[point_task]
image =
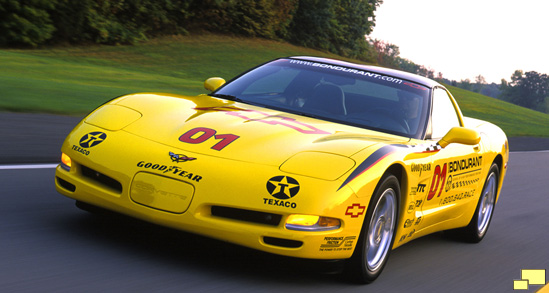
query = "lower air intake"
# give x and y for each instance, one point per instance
(246, 215)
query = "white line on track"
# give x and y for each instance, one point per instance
(33, 166)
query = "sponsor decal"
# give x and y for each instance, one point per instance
(350, 70)
(282, 188)
(403, 237)
(89, 140)
(180, 158)
(280, 203)
(420, 188)
(457, 197)
(411, 233)
(464, 164)
(174, 170)
(408, 223)
(80, 150)
(462, 180)
(337, 243)
(438, 176)
(420, 168)
(92, 139)
(411, 207)
(355, 210)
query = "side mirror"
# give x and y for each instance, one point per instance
(213, 83)
(460, 135)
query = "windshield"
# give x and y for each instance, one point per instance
(335, 93)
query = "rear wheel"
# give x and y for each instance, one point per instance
(378, 232)
(477, 228)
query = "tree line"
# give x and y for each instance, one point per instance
(337, 26)
(526, 89)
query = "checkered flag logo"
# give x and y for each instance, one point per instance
(434, 148)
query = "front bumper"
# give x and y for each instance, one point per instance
(222, 199)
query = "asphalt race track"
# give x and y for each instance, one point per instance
(48, 245)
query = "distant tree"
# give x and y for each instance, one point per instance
(407, 65)
(465, 84)
(283, 12)
(528, 90)
(338, 26)
(427, 72)
(25, 22)
(388, 55)
(440, 77)
(480, 81)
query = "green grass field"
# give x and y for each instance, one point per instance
(75, 80)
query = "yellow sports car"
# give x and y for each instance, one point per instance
(304, 157)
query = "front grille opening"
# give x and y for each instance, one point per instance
(65, 184)
(101, 179)
(246, 215)
(287, 243)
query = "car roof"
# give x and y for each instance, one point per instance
(381, 70)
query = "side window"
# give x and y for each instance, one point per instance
(444, 114)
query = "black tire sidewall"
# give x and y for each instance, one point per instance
(357, 265)
(473, 226)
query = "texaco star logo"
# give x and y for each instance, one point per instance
(92, 139)
(282, 187)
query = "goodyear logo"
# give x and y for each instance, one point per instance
(92, 139)
(529, 277)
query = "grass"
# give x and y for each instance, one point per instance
(75, 80)
(514, 120)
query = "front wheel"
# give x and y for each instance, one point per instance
(378, 232)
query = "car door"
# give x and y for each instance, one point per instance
(456, 169)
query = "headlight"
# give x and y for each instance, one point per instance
(312, 223)
(66, 162)
(113, 117)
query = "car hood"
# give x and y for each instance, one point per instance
(216, 127)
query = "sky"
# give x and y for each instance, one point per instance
(466, 38)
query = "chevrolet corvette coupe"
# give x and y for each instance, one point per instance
(304, 157)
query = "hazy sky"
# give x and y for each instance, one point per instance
(465, 38)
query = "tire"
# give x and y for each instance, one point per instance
(475, 231)
(378, 233)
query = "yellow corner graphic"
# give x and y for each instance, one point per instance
(529, 277)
